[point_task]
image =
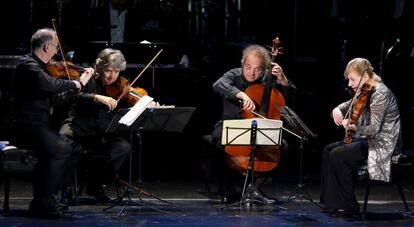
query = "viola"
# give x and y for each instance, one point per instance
(132, 96)
(57, 69)
(267, 100)
(358, 107)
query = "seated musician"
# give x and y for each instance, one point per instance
(373, 136)
(231, 86)
(34, 91)
(91, 115)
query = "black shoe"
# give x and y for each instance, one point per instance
(99, 195)
(66, 199)
(329, 211)
(63, 207)
(45, 208)
(342, 213)
(257, 195)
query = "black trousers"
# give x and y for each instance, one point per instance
(104, 157)
(116, 149)
(339, 163)
(56, 159)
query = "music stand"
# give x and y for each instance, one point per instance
(166, 119)
(301, 131)
(128, 119)
(251, 132)
(162, 119)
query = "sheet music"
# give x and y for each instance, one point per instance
(4, 146)
(237, 132)
(136, 110)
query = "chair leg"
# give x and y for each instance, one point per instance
(118, 190)
(364, 209)
(397, 182)
(6, 207)
(75, 187)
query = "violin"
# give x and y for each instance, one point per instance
(268, 100)
(124, 90)
(133, 94)
(359, 105)
(64, 70)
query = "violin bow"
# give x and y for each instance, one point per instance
(61, 48)
(139, 75)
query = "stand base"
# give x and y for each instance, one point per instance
(304, 194)
(141, 191)
(129, 202)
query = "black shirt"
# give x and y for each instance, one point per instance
(88, 118)
(233, 82)
(34, 90)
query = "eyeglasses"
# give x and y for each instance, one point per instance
(248, 68)
(55, 46)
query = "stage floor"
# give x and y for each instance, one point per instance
(193, 205)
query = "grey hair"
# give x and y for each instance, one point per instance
(111, 58)
(361, 65)
(258, 51)
(41, 36)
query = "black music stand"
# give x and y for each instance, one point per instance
(165, 119)
(162, 119)
(301, 131)
(152, 119)
(113, 127)
(252, 132)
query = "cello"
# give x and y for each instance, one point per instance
(267, 100)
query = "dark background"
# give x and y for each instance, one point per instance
(318, 36)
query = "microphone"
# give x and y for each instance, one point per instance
(253, 133)
(392, 48)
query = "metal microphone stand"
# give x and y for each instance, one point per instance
(250, 194)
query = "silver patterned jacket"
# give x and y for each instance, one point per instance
(380, 124)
